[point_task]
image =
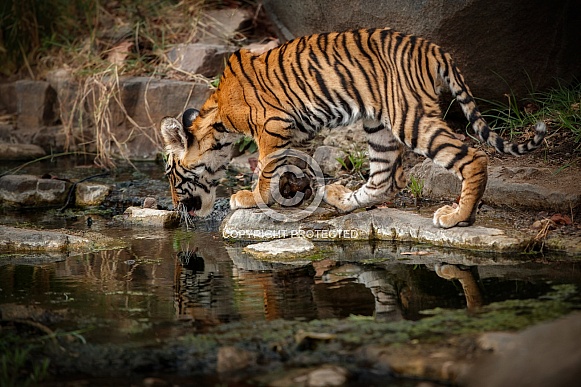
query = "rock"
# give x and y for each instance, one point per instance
(287, 247)
(378, 224)
(499, 342)
(67, 89)
(346, 138)
(326, 157)
(260, 48)
(28, 190)
(544, 355)
(8, 97)
(215, 35)
(506, 52)
(155, 382)
(323, 375)
(232, 359)
(221, 26)
(36, 104)
(327, 375)
(16, 239)
(146, 101)
(149, 217)
(520, 187)
(91, 194)
(150, 203)
(251, 262)
(20, 152)
(535, 188)
(244, 163)
(200, 58)
(439, 183)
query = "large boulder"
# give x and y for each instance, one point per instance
(36, 103)
(500, 46)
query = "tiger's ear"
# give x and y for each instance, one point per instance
(175, 137)
(188, 117)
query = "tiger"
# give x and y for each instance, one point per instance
(388, 80)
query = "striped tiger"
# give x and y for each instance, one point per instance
(389, 80)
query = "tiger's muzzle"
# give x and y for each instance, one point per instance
(192, 204)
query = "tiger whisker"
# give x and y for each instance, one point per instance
(185, 217)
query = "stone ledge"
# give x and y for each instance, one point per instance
(17, 239)
(519, 187)
(378, 224)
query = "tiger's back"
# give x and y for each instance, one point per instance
(389, 80)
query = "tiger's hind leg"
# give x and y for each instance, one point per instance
(386, 176)
(470, 165)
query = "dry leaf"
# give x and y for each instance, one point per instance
(118, 54)
(561, 220)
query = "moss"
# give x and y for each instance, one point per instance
(438, 325)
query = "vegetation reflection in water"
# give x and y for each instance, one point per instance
(169, 283)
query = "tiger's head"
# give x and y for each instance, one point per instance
(198, 150)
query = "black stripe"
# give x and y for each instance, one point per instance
(383, 148)
(379, 160)
(374, 130)
(458, 156)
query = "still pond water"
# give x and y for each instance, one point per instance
(170, 282)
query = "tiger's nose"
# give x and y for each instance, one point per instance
(193, 203)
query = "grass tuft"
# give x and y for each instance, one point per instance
(559, 107)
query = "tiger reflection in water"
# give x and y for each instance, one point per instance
(205, 294)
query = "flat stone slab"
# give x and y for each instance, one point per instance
(149, 217)
(18, 239)
(282, 246)
(379, 224)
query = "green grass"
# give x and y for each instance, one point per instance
(416, 187)
(355, 162)
(18, 366)
(559, 107)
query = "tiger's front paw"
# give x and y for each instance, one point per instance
(450, 216)
(242, 199)
(338, 196)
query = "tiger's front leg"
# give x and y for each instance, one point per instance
(267, 188)
(386, 176)
(260, 194)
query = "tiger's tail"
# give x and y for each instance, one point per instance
(452, 76)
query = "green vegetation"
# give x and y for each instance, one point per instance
(438, 325)
(416, 187)
(18, 366)
(246, 144)
(559, 107)
(355, 162)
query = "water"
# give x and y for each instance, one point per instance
(171, 282)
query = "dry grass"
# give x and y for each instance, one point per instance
(104, 42)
